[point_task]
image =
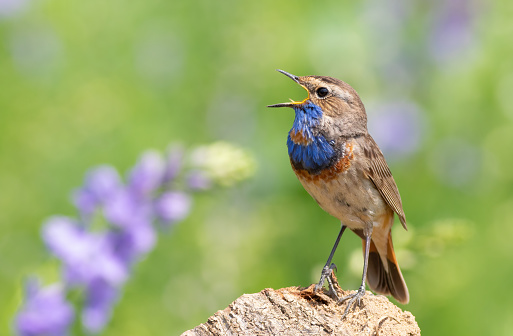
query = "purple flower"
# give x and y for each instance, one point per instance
(45, 312)
(133, 216)
(397, 127)
(148, 174)
(101, 297)
(133, 243)
(453, 30)
(100, 185)
(125, 209)
(11, 7)
(86, 256)
(173, 206)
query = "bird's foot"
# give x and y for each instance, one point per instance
(354, 299)
(327, 274)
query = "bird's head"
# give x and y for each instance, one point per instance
(342, 109)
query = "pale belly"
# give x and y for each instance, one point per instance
(350, 197)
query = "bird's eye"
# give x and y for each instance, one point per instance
(322, 92)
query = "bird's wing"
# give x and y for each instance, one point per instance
(376, 169)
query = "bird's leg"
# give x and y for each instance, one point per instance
(354, 299)
(329, 267)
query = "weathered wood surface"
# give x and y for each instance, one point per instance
(300, 311)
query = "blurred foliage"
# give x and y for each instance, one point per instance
(92, 82)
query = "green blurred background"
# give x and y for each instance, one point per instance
(91, 82)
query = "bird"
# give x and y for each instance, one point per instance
(340, 165)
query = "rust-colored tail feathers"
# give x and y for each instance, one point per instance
(386, 279)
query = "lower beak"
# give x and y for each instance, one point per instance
(283, 104)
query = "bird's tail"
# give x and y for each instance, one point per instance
(386, 279)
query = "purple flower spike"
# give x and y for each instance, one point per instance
(98, 263)
(101, 296)
(173, 206)
(45, 312)
(148, 173)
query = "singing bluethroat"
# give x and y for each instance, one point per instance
(342, 168)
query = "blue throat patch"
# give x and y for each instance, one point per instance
(313, 153)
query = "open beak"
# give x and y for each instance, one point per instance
(292, 102)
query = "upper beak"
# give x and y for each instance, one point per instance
(289, 75)
(291, 103)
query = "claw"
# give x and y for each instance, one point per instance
(332, 281)
(354, 300)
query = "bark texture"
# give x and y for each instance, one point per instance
(301, 311)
